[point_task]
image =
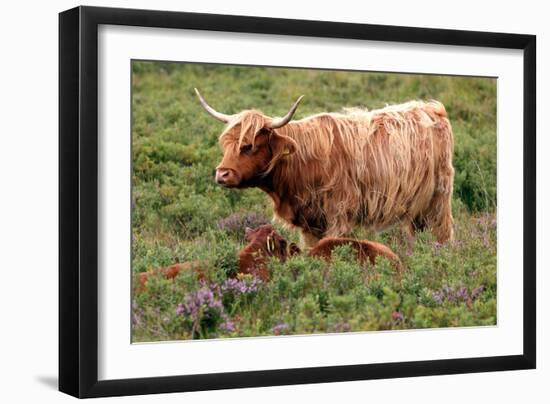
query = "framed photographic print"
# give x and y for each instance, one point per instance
(251, 201)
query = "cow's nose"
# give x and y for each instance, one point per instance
(222, 174)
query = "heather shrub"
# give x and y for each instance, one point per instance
(236, 223)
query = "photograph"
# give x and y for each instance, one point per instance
(275, 201)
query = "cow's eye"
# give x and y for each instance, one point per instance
(246, 148)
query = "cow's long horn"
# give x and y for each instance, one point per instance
(218, 115)
(277, 123)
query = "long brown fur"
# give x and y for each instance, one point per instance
(374, 168)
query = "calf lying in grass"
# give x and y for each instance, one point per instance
(265, 242)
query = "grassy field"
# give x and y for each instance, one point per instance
(179, 214)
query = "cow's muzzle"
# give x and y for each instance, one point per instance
(227, 177)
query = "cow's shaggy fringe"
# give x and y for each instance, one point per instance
(377, 168)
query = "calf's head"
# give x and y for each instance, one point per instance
(270, 242)
(252, 144)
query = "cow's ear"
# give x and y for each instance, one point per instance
(282, 145)
(247, 231)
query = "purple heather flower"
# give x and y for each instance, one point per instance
(342, 327)
(241, 287)
(397, 316)
(228, 325)
(136, 314)
(438, 297)
(477, 292)
(456, 295)
(237, 223)
(462, 294)
(203, 301)
(279, 329)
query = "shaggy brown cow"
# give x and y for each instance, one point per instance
(330, 171)
(263, 242)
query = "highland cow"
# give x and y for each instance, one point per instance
(327, 172)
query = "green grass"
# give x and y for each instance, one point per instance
(178, 209)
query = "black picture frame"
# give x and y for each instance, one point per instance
(78, 201)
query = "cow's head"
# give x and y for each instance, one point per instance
(252, 144)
